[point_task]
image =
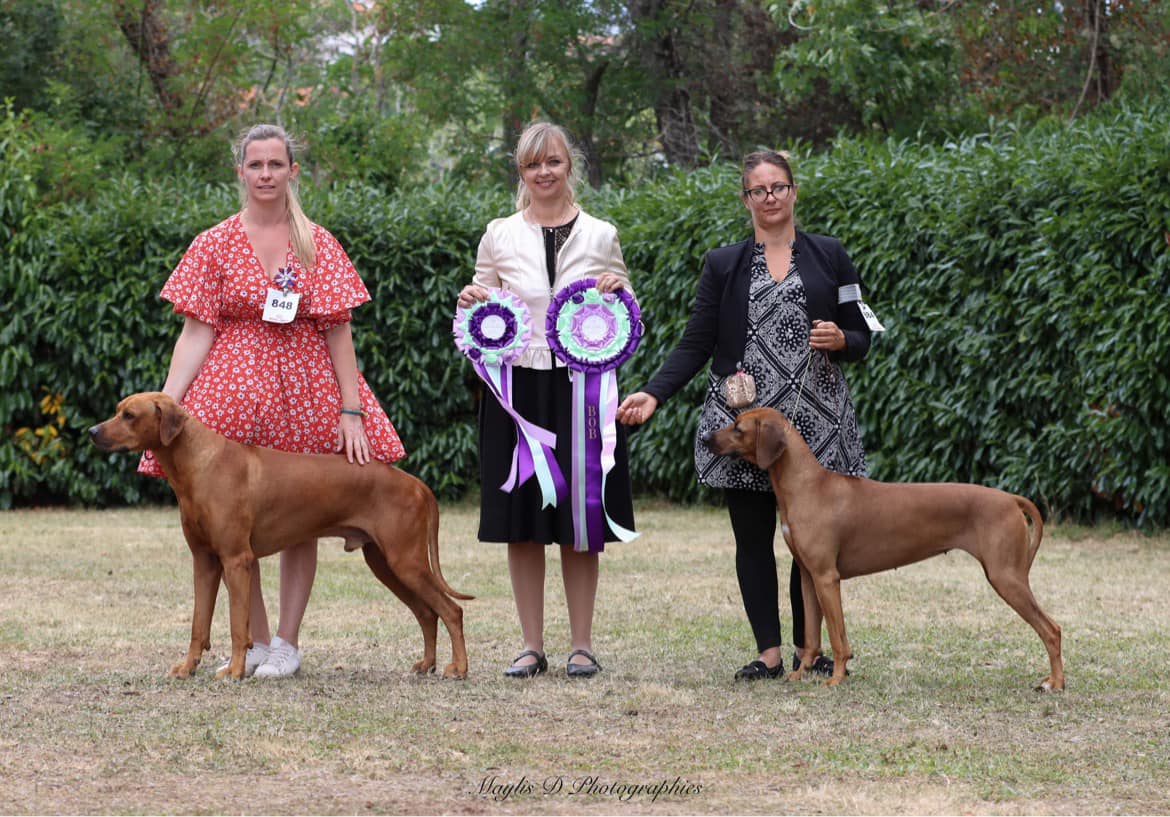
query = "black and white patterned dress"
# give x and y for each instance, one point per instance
(810, 390)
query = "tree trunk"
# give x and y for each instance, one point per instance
(660, 57)
(1099, 83)
(517, 98)
(586, 135)
(150, 41)
(1106, 83)
(723, 83)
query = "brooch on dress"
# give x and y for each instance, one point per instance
(286, 279)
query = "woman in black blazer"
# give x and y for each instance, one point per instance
(782, 309)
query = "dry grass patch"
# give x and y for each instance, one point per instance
(938, 716)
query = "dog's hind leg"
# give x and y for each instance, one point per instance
(410, 565)
(1013, 587)
(427, 619)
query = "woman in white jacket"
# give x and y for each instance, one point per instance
(547, 243)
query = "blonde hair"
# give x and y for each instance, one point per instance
(299, 227)
(535, 144)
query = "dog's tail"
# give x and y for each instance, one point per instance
(1033, 513)
(433, 549)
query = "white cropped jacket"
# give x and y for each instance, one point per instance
(511, 257)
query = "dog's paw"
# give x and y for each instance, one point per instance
(423, 666)
(1048, 685)
(454, 673)
(225, 673)
(181, 671)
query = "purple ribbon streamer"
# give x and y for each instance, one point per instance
(529, 436)
(588, 473)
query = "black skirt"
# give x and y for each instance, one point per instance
(543, 397)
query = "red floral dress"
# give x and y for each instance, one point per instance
(264, 383)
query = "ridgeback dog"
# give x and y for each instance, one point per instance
(240, 502)
(838, 527)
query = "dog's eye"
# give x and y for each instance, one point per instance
(127, 415)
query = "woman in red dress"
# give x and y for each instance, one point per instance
(265, 356)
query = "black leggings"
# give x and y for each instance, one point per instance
(753, 521)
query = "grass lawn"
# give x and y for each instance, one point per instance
(938, 716)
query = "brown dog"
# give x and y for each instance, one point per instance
(239, 502)
(838, 527)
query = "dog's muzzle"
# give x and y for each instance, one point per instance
(95, 434)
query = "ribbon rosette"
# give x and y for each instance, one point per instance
(493, 334)
(286, 279)
(593, 333)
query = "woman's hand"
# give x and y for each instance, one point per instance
(352, 440)
(826, 336)
(609, 282)
(470, 294)
(637, 408)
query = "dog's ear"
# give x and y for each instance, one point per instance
(770, 444)
(170, 420)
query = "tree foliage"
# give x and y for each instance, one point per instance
(398, 93)
(893, 64)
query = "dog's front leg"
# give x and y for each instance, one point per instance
(812, 625)
(238, 578)
(207, 569)
(828, 591)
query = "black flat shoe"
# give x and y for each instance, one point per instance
(758, 671)
(582, 670)
(527, 670)
(821, 666)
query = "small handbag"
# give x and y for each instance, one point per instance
(739, 390)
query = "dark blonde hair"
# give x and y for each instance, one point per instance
(766, 157)
(300, 229)
(535, 144)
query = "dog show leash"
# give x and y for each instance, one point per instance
(800, 388)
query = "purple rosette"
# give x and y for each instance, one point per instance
(493, 334)
(593, 333)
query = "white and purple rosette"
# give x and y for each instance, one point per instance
(286, 279)
(593, 333)
(493, 334)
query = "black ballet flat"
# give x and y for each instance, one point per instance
(527, 670)
(758, 671)
(582, 670)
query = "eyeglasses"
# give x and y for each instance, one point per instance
(777, 191)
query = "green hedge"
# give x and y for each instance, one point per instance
(1022, 277)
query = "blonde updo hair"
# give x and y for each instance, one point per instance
(300, 229)
(535, 144)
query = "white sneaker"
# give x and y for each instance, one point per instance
(255, 656)
(283, 660)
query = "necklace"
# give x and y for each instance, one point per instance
(563, 215)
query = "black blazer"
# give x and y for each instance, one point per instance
(717, 329)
